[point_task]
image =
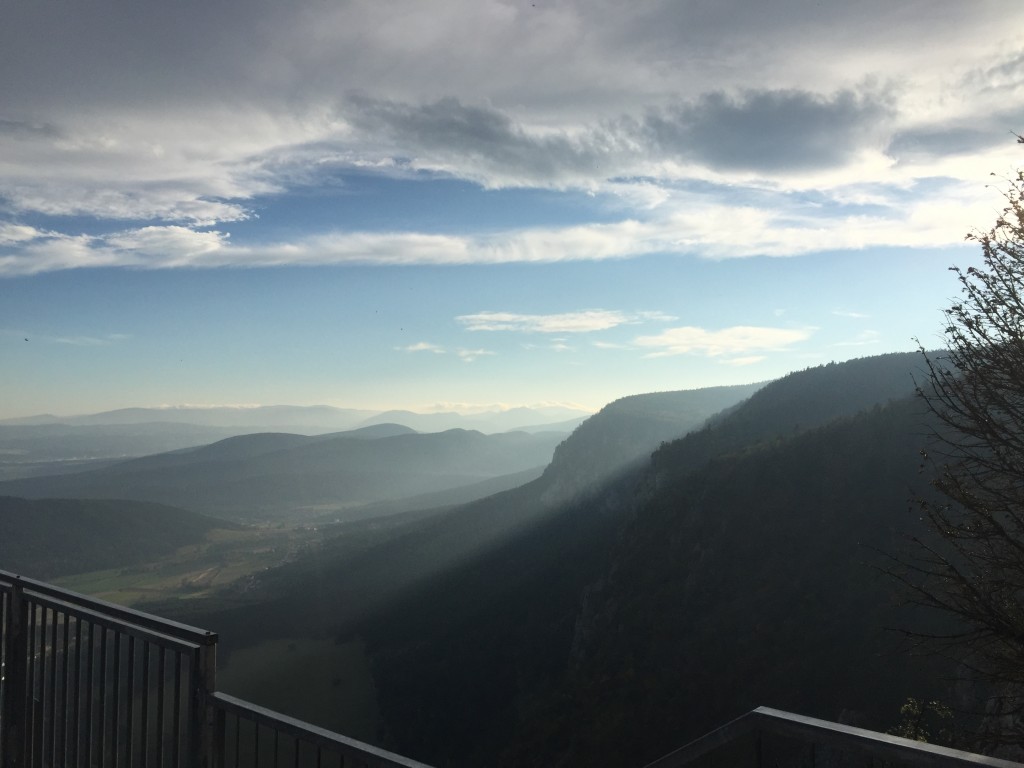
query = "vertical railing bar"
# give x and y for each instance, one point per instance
(116, 719)
(238, 738)
(176, 744)
(65, 682)
(76, 701)
(16, 658)
(295, 760)
(277, 745)
(39, 700)
(145, 703)
(256, 745)
(196, 704)
(89, 669)
(129, 700)
(4, 656)
(220, 737)
(30, 719)
(42, 663)
(103, 718)
(4, 634)
(53, 690)
(161, 673)
(204, 683)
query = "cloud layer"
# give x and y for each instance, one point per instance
(709, 122)
(735, 342)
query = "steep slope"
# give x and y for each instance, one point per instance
(627, 430)
(356, 575)
(693, 565)
(487, 623)
(271, 475)
(44, 538)
(747, 582)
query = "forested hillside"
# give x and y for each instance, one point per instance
(733, 570)
(610, 610)
(270, 476)
(366, 564)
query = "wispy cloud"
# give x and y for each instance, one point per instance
(423, 346)
(850, 314)
(583, 321)
(469, 355)
(738, 340)
(747, 360)
(863, 339)
(687, 224)
(81, 341)
(70, 340)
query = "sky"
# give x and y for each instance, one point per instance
(472, 204)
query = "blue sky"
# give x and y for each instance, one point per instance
(467, 204)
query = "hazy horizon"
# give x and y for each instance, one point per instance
(465, 409)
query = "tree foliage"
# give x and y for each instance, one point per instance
(973, 569)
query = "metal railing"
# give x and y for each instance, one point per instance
(84, 682)
(770, 737)
(87, 683)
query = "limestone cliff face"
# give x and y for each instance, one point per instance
(622, 436)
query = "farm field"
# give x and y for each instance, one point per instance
(224, 559)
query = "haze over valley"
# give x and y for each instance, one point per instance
(530, 581)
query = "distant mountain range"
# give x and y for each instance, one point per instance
(47, 445)
(314, 419)
(275, 475)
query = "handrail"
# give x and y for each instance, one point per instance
(130, 615)
(811, 730)
(88, 682)
(311, 734)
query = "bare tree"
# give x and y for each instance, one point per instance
(972, 566)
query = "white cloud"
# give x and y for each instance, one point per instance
(738, 340)
(688, 224)
(11, 234)
(850, 314)
(863, 339)
(747, 360)
(583, 321)
(469, 355)
(85, 341)
(423, 346)
(70, 340)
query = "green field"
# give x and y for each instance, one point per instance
(225, 559)
(314, 679)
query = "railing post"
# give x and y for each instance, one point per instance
(204, 715)
(15, 695)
